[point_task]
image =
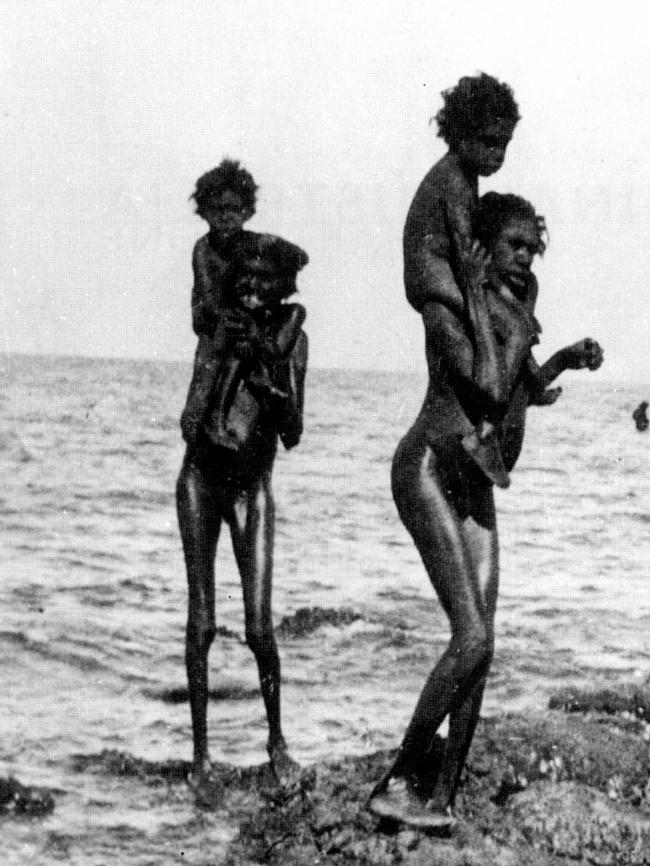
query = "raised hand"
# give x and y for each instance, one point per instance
(585, 353)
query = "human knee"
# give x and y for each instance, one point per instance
(200, 634)
(260, 639)
(476, 645)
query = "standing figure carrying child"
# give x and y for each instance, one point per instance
(246, 391)
(477, 122)
(479, 365)
(241, 280)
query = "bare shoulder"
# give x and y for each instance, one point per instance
(201, 248)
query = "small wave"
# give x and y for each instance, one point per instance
(47, 651)
(13, 448)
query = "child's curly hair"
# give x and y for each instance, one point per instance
(228, 175)
(496, 210)
(472, 105)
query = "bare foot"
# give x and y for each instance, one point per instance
(399, 802)
(285, 769)
(208, 788)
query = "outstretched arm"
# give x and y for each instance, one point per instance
(585, 353)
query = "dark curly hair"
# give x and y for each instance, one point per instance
(228, 175)
(472, 105)
(496, 210)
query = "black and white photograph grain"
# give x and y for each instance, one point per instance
(324, 378)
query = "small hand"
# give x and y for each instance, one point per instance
(240, 326)
(234, 323)
(585, 353)
(473, 262)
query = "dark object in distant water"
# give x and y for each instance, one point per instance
(20, 799)
(640, 417)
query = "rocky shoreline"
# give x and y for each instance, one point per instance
(570, 785)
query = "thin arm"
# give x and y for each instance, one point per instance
(289, 321)
(206, 296)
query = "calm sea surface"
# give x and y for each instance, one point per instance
(93, 586)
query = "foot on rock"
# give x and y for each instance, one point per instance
(208, 789)
(399, 802)
(285, 769)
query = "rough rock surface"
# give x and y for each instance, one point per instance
(545, 790)
(17, 799)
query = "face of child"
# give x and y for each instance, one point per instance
(258, 291)
(485, 152)
(225, 213)
(513, 252)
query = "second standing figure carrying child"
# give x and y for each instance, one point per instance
(246, 332)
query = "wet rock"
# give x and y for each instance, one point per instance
(307, 620)
(115, 763)
(576, 821)
(538, 791)
(553, 747)
(17, 799)
(634, 701)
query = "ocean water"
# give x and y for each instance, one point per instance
(94, 597)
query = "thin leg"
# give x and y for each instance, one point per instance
(448, 550)
(227, 385)
(252, 526)
(206, 367)
(199, 521)
(483, 546)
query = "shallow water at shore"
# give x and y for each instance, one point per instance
(94, 587)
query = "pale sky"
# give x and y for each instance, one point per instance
(112, 109)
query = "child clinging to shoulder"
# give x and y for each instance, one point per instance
(225, 198)
(225, 258)
(262, 330)
(477, 122)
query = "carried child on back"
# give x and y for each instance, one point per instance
(477, 121)
(247, 334)
(261, 329)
